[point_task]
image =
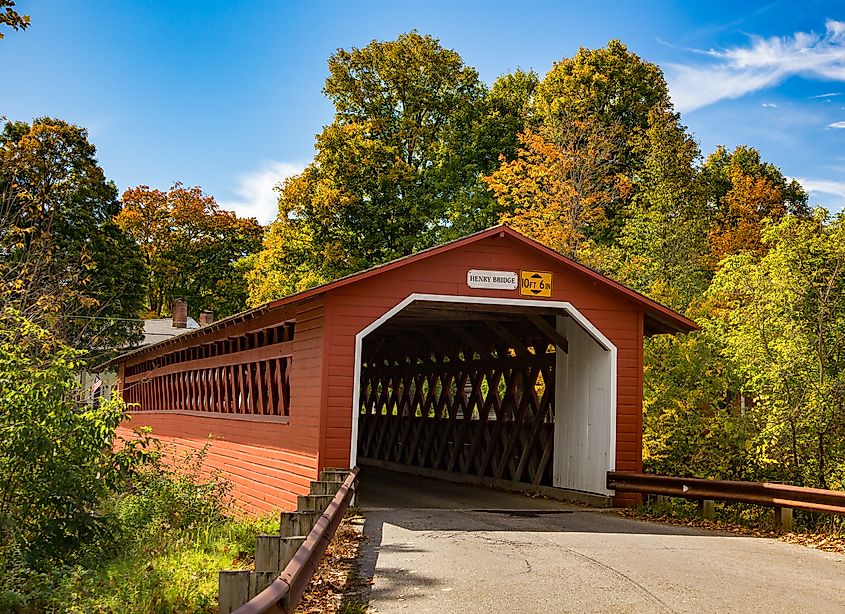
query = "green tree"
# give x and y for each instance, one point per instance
(693, 421)
(782, 319)
(398, 169)
(66, 264)
(662, 249)
(493, 138)
(614, 88)
(190, 248)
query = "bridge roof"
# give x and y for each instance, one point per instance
(658, 318)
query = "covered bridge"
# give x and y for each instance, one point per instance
(488, 359)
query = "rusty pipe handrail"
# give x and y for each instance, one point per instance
(283, 595)
(759, 493)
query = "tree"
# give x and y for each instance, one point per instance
(743, 191)
(782, 318)
(555, 191)
(610, 87)
(692, 424)
(190, 247)
(504, 113)
(663, 246)
(66, 265)
(399, 168)
(11, 18)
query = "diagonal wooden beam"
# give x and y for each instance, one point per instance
(507, 336)
(551, 332)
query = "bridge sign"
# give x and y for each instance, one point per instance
(492, 280)
(535, 283)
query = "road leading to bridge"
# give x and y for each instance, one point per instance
(543, 557)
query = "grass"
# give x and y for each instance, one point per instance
(167, 535)
(180, 576)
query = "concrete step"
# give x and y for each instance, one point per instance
(307, 503)
(298, 523)
(325, 488)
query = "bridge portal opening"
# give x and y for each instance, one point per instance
(513, 393)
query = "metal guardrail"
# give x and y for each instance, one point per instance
(283, 595)
(759, 493)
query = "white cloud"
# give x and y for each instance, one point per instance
(255, 195)
(830, 95)
(837, 125)
(770, 105)
(765, 62)
(836, 188)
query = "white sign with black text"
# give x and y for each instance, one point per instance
(492, 280)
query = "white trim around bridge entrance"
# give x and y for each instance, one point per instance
(564, 306)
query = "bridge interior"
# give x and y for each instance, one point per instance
(462, 389)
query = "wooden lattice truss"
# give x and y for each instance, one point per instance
(245, 375)
(462, 389)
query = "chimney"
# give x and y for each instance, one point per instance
(206, 317)
(180, 313)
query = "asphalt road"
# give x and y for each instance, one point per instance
(437, 547)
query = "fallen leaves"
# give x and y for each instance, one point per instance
(337, 583)
(819, 540)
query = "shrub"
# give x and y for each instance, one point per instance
(56, 453)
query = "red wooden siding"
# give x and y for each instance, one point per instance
(272, 448)
(352, 308)
(270, 462)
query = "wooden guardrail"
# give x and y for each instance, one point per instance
(283, 595)
(783, 497)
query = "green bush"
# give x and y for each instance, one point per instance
(57, 462)
(85, 528)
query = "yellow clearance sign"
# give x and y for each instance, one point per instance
(535, 283)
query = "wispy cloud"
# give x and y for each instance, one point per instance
(829, 95)
(255, 193)
(769, 105)
(837, 125)
(826, 187)
(765, 62)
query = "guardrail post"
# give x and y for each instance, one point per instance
(298, 523)
(707, 509)
(783, 518)
(233, 590)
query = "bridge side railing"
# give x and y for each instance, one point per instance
(783, 497)
(283, 595)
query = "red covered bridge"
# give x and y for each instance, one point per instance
(491, 359)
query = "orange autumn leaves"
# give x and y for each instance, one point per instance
(191, 247)
(739, 221)
(559, 189)
(556, 192)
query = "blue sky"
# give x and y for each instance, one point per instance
(227, 95)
